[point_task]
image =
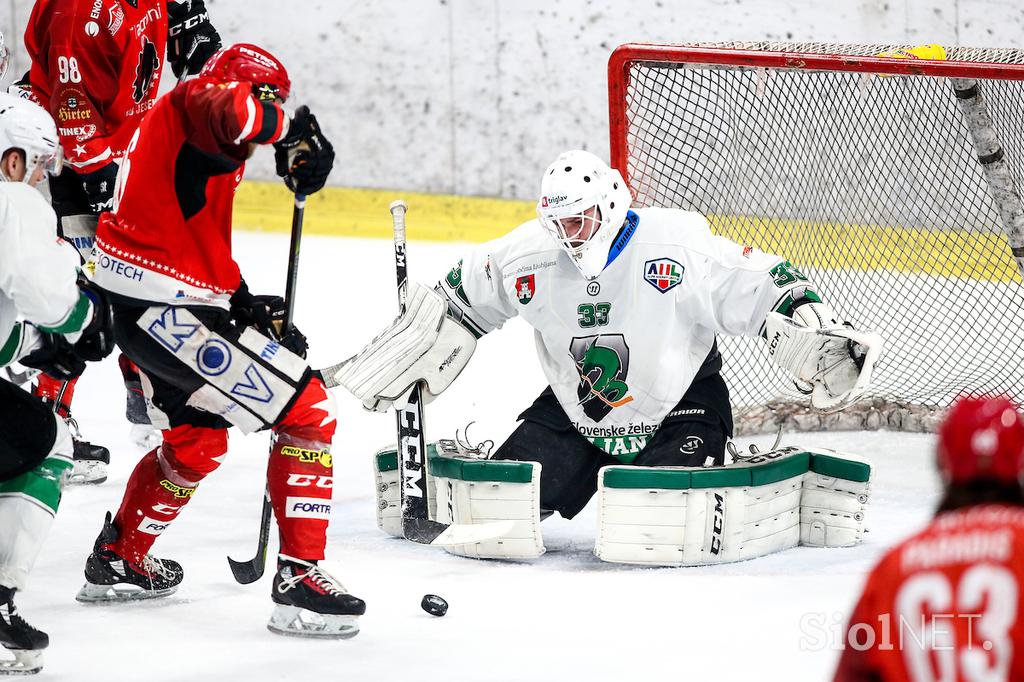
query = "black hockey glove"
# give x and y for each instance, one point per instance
(97, 340)
(56, 358)
(266, 314)
(99, 188)
(191, 38)
(304, 158)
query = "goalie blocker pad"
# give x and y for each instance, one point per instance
(463, 488)
(682, 516)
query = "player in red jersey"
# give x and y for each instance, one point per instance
(207, 348)
(96, 66)
(946, 604)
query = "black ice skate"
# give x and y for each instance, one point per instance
(109, 577)
(90, 460)
(90, 463)
(21, 639)
(312, 603)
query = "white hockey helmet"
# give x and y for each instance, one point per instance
(26, 126)
(583, 203)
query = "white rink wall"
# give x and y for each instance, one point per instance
(475, 97)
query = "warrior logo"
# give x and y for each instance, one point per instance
(526, 287)
(145, 72)
(603, 364)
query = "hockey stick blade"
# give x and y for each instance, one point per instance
(427, 532)
(250, 571)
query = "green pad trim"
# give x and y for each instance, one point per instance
(664, 479)
(780, 469)
(387, 460)
(482, 470)
(42, 483)
(740, 475)
(838, 467)
(464, 469)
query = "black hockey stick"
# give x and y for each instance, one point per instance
(250, 571)
(412, 451)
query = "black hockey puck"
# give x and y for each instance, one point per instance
(434, 605)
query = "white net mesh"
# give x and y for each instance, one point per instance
(872, 186)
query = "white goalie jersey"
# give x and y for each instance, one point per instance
(621, 350)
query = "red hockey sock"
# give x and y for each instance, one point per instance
(162, 484)
(300, 473)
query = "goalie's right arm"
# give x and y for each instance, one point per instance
(424, 344)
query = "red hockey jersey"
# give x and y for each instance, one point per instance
(96, 66)
(168, 238)
(944, 605)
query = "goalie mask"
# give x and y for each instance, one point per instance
(26, 126)
(583, 204)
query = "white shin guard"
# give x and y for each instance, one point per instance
(28, 504)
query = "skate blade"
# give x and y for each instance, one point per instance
(122, 592)
(88, 473)
(292, 621)
(26, 662)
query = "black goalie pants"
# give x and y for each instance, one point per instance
(693, 434)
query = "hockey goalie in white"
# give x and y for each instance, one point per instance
(626, 306)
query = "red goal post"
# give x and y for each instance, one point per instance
(890, 174)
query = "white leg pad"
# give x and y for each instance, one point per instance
(460, 501)
(679, 516)
(452, 498)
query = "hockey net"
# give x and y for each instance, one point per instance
(887, 174)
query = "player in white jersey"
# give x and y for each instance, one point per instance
(53, 320)
(626, 306)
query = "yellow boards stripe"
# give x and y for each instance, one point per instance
(348, 212)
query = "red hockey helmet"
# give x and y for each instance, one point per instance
(247, 63)
(982, 438)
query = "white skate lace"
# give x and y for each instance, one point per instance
(318, 577)
(152, 565)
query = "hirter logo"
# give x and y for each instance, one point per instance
(526, 287)
(663, 274)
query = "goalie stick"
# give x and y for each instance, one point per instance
(250, 571)
(412, 450)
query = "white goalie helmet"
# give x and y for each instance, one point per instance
(583, 203)
(27, 126)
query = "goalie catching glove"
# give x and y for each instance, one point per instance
(424, 344)
(830, 360)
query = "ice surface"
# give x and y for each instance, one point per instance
(566, 616)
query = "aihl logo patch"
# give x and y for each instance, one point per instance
(526, 287)
(663, 273)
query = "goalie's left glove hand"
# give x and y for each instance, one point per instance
(265, 312)
(831, 359)
(305, 157)
(191, 38)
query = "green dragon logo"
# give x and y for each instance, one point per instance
(603, 364)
